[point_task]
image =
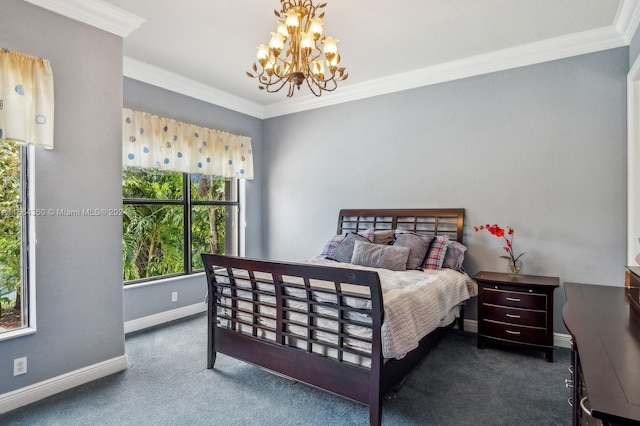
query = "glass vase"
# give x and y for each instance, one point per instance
(514, 268)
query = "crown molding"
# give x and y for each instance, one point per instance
(155, 76)
(117, 21)
(627, 19)
(96, 13)
(533, 53)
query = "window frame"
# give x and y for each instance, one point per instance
(187, 204)
(28, 245)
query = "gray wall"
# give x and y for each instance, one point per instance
(154, 298)
(79, 259)
(540, 148)
(634, 47)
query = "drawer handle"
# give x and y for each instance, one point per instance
(570, 401)
(513, 332)
(513, 316)
(568, 383)
(513, 299)
(584, 408)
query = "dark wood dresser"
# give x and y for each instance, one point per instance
(605, 370)
(517, 311)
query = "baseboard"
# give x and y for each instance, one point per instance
(562, 340)
(32, 393)
(162, 317)
(559, 339)
(471, 326)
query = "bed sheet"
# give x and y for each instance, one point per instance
(414, 301)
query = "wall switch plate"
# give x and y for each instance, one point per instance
(174, 296)
(20, 366)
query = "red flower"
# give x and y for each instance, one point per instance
(500, 233)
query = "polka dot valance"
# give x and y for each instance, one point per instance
(26, 99)
(150, 141)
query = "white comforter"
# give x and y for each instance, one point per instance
(415, 302)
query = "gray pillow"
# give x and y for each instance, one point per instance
(454, 256)
(383, 237)
(344, 250)
(418, 246)
(380, 256)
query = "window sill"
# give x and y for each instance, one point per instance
(164, 280)
(19, 332)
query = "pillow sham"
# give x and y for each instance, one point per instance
(383, 237)
(344, 251)
(436, 253)
(454, 256)
(418, 247)
(331, 245)
(380, 256)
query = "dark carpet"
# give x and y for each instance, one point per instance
(167, 383)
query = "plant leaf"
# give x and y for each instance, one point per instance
(250, 75)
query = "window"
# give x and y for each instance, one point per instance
(15, 216)
(170, 218)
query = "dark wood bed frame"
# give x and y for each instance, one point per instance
(367, 385)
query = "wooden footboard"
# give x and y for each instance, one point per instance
(318, 325)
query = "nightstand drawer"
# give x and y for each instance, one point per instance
(516, 299)
(516, 333)
(515, 316)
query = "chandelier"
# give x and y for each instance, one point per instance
(296, 52)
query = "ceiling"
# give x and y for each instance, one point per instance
(202, 48)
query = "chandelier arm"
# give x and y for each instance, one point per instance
(269, 88)
(317, 92)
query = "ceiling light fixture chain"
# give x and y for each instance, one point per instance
(294, 53)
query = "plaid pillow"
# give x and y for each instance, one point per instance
(436, 253)
(331, 245)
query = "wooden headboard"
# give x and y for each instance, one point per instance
(423, 221)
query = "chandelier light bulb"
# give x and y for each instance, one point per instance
(315, 28)
(292, 21)
(282, 29)
(262, 54)
(307, 43)
(318, 70)
(276, 43)
(330, 47)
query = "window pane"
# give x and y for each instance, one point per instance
(211, 188)
(153, 240)
(12, 308)
(151, 184)
(213, 230)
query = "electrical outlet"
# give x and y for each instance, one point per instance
(174, 296)
(20, 366)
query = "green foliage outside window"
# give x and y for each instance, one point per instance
(10, 237)
(154, 233)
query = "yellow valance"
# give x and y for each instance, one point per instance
(26, 99)
(150, 141)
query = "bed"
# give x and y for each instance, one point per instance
(324, 323)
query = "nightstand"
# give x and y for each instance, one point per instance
(516, 311)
